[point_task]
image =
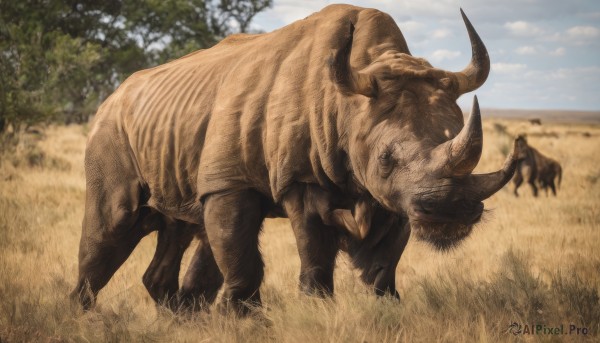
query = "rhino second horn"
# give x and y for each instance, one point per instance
(485, 185)
(460, 155)
(475, 74)
(466, 147)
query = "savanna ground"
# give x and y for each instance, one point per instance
(531, 261)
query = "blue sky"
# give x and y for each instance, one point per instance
(545, 53)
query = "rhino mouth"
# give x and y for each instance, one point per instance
(467, 214)
(444, 230)
(442, 237)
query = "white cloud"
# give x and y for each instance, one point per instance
(411, 26)
(442, 33)
(443, 54)
(440, 9)
(583, 32)
(557, 75)
(285, 12)
(508, 68)
(530, 45)
(291, 11)
(526, 50)
(577, 35)
(580, 74)
(565, 78)
(523, 29)
(558, 52)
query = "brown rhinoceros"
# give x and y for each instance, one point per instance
(536, 169)
(326, 117)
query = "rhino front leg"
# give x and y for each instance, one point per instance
(517, 180)
(102, 251)
(233, 221)
(113, 214)
(385, 279)
(317, 243)
(534, 188)
(377, 256)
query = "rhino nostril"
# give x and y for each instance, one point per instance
(474, 213)
(480, 207)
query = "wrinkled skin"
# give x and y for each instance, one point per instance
(536, 169)
(328, 121)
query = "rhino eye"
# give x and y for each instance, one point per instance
(384, 157)
(386, 162)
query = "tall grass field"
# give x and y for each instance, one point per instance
(529, 272)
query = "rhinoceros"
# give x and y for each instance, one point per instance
(329, 121)
(536, 169)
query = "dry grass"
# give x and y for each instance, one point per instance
(531, 261)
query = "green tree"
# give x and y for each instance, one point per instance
(237, 12)
(60, 58)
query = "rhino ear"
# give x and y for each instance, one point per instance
(348, 80)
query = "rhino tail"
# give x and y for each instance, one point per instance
(559, 174)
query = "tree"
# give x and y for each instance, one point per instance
(236, 13)
(60, 58)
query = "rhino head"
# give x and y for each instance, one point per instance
(409, 147)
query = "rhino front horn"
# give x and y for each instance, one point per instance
(475, 74)
(485, 185)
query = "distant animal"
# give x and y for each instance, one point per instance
(535, 121)
(328, 121)
(536, 169)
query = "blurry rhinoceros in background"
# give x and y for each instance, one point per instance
(536, 169)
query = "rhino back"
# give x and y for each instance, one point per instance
(275, 119)
(255, 111)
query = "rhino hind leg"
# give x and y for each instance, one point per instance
(317, 242)
(553, 187)
(545, 186)
(202, 280)
(161, 279)
(233, 221)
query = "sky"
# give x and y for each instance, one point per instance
(545, 54)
